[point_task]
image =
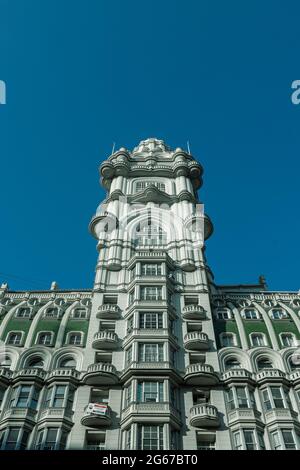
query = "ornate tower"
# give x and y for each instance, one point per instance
(150, 330)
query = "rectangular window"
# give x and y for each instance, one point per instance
(128, 395)
(242, 397)
(12, 439)
(266, 400)
(110, 300)
(249, 439)
(237, 441)
(2, 391)
(23, 312)
(51, 437)
(59, 396)
(150, 437)
(230, 399)
(151, 352)
(130, 324)
(277, 397)
(150, 392)
(128, 356)
(288, 439)
(191, 300)
(80, 313)
(151, 269)
(151, 320)
(151, 293)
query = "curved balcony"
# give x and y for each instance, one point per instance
(237, 375)
(63, 374)
(30, 373)
(204, 416)
(108, 311)
(105, 340)
(5, 376)
(270, 375)
(193, 312)
(22, 414)
(101, 373)
(154, 411)
(196, 340)
(96, 415)
(200, 374)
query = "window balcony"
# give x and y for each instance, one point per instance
(270, 375)
(19, 414)
(151, 411)
(108, 311)
(196, 340)
(30, 373)
(101, 373)
(105, 340)
(5, 376)
(193, 312)
(204, 416)
(280, 415)
(200, 374)
(63, 374)
(294, 377)
(149, 369)
(244, 415)
(237, 375)
(96, 415)
(56, 414)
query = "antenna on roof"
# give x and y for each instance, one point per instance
(113, 148)
(188, 146)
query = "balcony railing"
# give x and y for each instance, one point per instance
(22, 414)
(63, 374)
(105, 340)
(30, 373)
(107, 311)
(101, 373)
(193, 312)
(236, 375)
(243, 415)
(196, 340)
(280, 415)
(5, 375)
(266, 375)
(151, 409)
(200, 374)
(54, 414)
(96, 415)
(204, 415)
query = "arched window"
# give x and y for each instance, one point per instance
(35, 361)
(14, 339)
(258, 339)
(287, 339)
(264, 363)
(223, 314)
(75, 339)
(45, 338)
(227, 340)
(278, 314)
(79, 313)
(148, 234)
(5, 361)
(294, 361)
(51, 312)
(67, 363)
(251, 314)
(232, 363)
(141, 185)
(23, 312)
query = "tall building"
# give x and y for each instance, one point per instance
(155, 355)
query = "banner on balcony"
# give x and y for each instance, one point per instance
(97, 408)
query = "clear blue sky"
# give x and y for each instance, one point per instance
(81, 74)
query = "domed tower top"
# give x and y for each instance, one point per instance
(151, 145)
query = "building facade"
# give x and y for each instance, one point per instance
(155, 356)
